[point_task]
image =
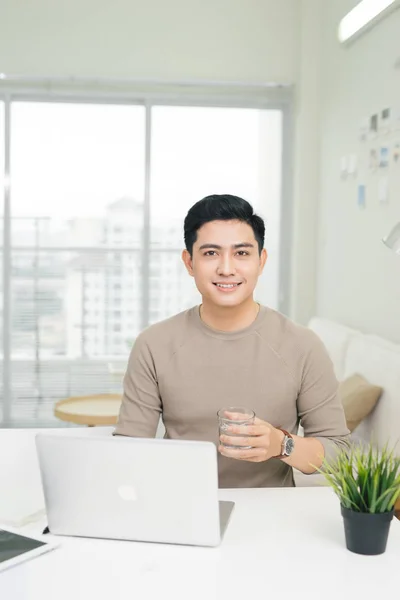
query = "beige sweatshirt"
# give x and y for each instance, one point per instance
(186, 371)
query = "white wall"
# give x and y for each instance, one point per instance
(358, 278)
(182, 39)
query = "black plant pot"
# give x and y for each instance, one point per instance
(366, 533)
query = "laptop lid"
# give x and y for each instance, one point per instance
(131, 488)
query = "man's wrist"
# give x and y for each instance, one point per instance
(279, 437)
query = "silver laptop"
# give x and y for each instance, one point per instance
(150, 490)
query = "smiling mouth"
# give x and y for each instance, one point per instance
(227, 286)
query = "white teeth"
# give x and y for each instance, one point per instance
(227, 285)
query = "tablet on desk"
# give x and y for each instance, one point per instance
(16, 548)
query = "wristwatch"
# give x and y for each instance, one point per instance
(287, 444)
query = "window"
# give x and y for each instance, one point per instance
(77, 176)
(84, 276)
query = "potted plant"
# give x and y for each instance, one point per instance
(367, 482)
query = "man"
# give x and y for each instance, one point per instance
(231, 351)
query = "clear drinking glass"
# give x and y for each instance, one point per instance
(234, 415)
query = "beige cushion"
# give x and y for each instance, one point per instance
(359, 397)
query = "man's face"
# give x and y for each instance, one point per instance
(225, 262)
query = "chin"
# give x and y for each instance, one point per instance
(228, 300)
(228, 303)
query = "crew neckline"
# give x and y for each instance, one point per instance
(227, 335)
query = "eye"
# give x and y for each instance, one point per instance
(210, 253)
(243, 253)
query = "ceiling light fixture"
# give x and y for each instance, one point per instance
(363, 16)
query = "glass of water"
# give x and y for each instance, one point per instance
(234, 415)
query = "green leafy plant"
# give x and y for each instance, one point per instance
(366, 480)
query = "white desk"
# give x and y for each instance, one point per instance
(277, 539)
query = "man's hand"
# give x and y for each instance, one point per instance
(264, 439)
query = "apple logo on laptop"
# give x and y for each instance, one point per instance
(127, 492)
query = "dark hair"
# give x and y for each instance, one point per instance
(221, 207)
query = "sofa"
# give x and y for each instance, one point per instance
(378, 361)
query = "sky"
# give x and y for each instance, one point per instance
(70, 160)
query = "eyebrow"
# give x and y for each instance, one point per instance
(234, 246)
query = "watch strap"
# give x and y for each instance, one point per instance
(287, 434)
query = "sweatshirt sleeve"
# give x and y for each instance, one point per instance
(319, 405)
(141, 403)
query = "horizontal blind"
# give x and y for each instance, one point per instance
(75, 316)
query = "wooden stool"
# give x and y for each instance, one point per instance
(98, 409)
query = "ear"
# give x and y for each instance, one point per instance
(263, 260)
(188, 262)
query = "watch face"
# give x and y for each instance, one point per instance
(289, 446)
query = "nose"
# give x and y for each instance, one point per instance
(226, 266)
